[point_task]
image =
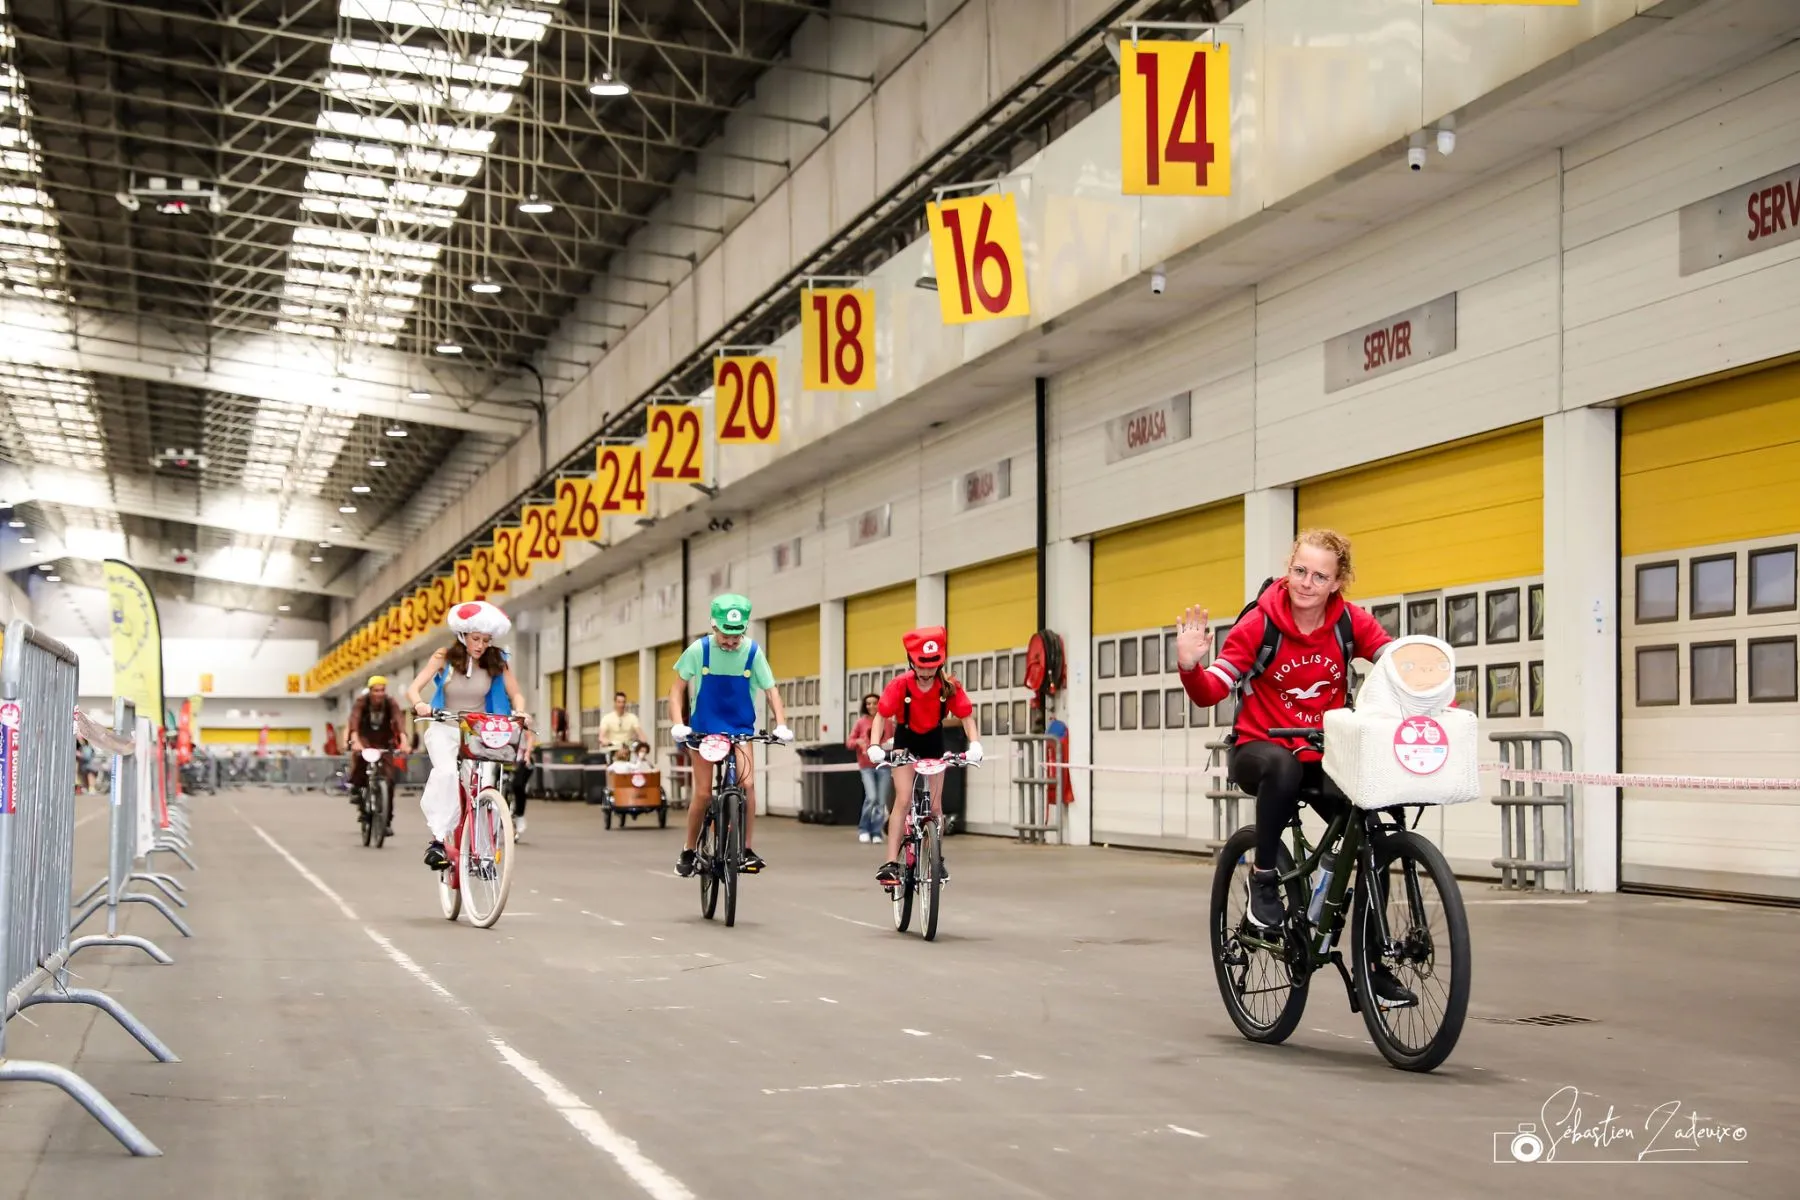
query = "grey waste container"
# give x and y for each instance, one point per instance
(829, 797)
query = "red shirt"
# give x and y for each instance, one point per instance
(1304, 680)
(927, 710)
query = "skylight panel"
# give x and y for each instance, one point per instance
(511, 22)
(428, 62)
(393, 129)
(356, 87)
(362, 210)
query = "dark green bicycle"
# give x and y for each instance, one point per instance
(1264, 974)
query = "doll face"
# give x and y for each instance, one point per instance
(1421, 668)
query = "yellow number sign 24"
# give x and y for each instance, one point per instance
(976, 251)
(1175, 118)
(619, 479)
(837, 340)
(745, 407)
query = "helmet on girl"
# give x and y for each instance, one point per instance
(927, 647)
(478, 616)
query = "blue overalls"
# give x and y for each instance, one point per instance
(498, 702)
(722, 703)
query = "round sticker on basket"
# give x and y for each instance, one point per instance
(637, 780)
(1421, 745)
(9, 714)
(496, 733)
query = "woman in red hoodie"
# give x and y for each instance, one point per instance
(1305, 679)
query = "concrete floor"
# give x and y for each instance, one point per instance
(1064, 1037)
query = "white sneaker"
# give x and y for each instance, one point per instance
(865, 838)
(519, 827)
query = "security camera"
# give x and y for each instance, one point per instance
(1159, 282)
(1446, 141)
(1415, 157)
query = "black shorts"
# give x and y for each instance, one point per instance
(920, 745)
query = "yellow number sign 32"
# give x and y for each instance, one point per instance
(673, 434)
(837, 340)
(1175, 118)
(980, 266)
(745, 407)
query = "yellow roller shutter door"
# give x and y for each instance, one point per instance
(1464, 513)
(992, 606)
(625, 677)
(556, 690)
(589, 677)
(665, 668)
(249, 737)
(1145, 576)
(875, 622)
(1716, 464)
(794, 644)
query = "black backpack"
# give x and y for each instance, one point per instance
(1271, 642)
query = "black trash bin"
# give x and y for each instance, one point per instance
(956, 781)
(829, 797)
(593, 776)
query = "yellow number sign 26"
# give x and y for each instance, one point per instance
(1175, 118)
(745, 407)
(837, 340)
(673, 434)
(577, 510)
(980, 267)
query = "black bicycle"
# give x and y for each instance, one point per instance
(719, 854)
(376, 807)
(1264, 974)
(921, 845)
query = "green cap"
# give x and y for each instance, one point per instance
(731, 613)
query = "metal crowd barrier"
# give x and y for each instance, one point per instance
(1226, 796)
(1032, 781)
(37, 853)
(1522, 870)
(169, 828)
(126, 847)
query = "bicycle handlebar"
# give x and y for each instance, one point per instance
(902, 758)
(692, 741)
(1311, 735)
(450, 714)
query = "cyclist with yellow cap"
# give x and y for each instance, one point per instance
(727, 670)
(376, 723)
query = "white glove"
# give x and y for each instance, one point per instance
(679, 732)
(973, 753)
(877, 754)
(783, 733)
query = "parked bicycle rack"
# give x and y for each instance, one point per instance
(1520, 871)
(128, 844)
(37, 858)
(1035, 817)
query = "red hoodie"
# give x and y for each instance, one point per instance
(1304, 680)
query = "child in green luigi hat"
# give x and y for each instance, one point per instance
(727, 669)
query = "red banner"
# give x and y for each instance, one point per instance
(184, 736)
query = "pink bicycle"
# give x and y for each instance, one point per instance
(480, 849)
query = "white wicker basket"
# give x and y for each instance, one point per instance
(1381, 761)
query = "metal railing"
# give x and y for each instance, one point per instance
(130, 737)
(37, 853)
(1226, 796)
(1520, 869)
(1035, 815)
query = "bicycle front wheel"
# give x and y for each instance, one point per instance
(382, 811)
(902, 892)
(733, 845)
(931, 877)
(367, 823)
(708, 852)
(1427, 939)
(487, 857)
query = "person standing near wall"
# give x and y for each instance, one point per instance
(878, 785)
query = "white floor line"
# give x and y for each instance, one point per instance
(1556, 901)
(93, 816)
(839, 1087)
(608, 920)
(1189, 1132)
(655, 1181)
(916, 1032)
(850, 921)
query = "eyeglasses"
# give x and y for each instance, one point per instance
(1301, 574)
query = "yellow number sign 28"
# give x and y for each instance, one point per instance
(745, 407)
(980, 266)
(673, 434)
(543, 544)
(837, 340)
(1175, 118)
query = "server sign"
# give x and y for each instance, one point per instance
(1391, 344)
(1757, 216)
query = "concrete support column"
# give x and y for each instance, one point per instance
(1069, 597)
(1581, 622)
(650, 705)
(834, 706)
(1268, 536)
(931, 606)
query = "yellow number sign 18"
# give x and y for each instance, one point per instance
(1175, 118)
(745, 408)
(837, 340)
(980, 266)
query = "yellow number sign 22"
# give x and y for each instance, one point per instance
(1175, 118)
(837, 340)
(745, 407)
(672, 432)
(980, 266)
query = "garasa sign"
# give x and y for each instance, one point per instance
(1150, 428)
(1753, 217)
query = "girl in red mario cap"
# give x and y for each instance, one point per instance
(919, 702)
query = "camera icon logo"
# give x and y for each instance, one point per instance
(1518, 1145)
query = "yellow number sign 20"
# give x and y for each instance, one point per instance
(746, 410)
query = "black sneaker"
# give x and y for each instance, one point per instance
(753, 862)
(389, 831)
(1388, 989)
(889, 875)
(943, 870)
(435, 858)
(684, 866)
(1266, 909)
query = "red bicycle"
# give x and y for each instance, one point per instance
(481, 847)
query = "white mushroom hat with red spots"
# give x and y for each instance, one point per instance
(478, 616)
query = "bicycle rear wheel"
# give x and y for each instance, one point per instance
(708, 853)
(487, 857)
(931, 878)
(902, 892)
(381, 808)
(733, 845)
(1262, 995)
(1420, 947)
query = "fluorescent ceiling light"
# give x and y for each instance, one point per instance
(378, 462)
(485, 286)
(282, 607)
(531, 204)
(396, 431)
(16, 523)
(418, 394)
(53, 579)
(346, 508)
(448, 347)
(361, 489)
(318, 558)
(606, 85)
(27, 541)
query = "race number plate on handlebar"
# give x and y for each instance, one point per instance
(930, 766)
(370, 756)
(714, 747)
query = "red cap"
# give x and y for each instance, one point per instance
(927, 647)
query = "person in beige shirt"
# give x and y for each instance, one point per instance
(620, 728)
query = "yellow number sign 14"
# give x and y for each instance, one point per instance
(837, 340)
(976, 252)
(1175, 118)
(745, 407)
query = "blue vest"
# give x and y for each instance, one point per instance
(723, 703)
(498, 702)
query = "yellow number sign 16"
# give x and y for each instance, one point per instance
(837, 340)
(745, 407)
(980, 266)
(1175, 118)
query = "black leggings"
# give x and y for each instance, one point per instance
(1274, 776)
(520, 778)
